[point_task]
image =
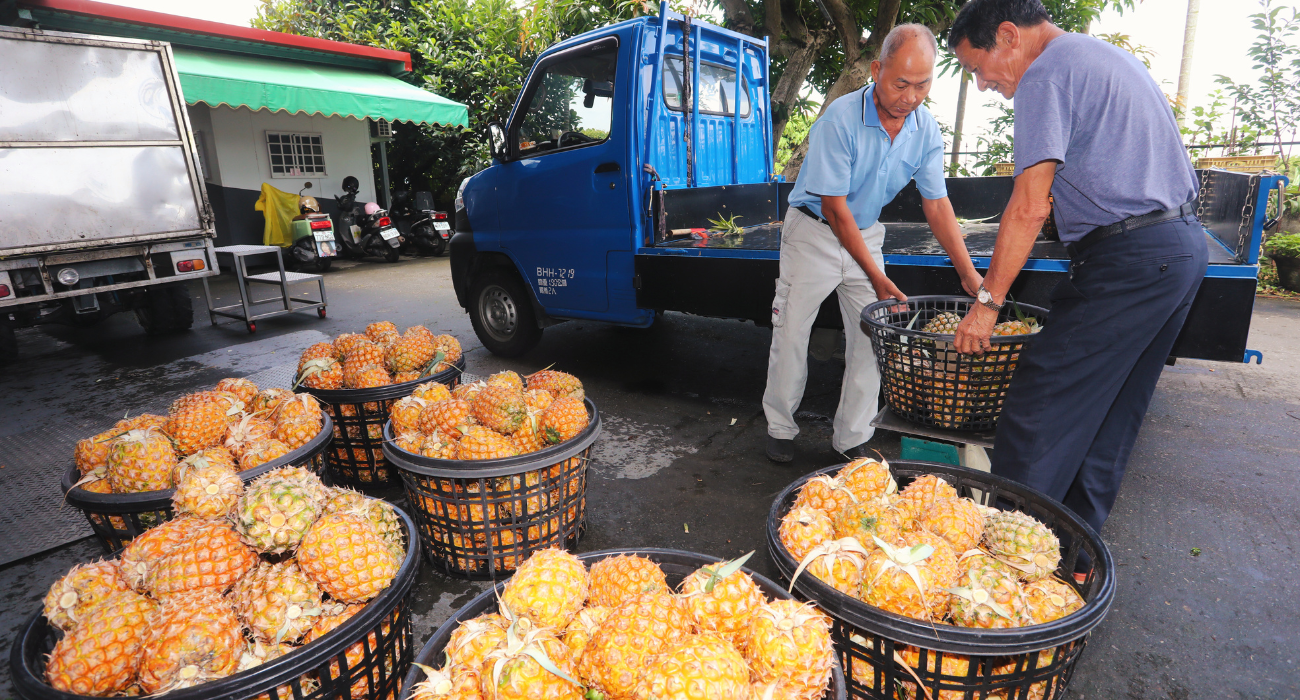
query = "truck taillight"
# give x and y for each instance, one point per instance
(190, 266)
(440, 216)
(317, 225)
(4, 291)
(385, 221)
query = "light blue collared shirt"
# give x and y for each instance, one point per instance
(849, 153)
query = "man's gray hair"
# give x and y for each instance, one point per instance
(901, 34)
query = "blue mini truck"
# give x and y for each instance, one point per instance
(628, 143)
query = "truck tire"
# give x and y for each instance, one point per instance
(502, 314)
(165, 309)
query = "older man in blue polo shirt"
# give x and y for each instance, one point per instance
(865, 148)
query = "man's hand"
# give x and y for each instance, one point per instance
(943, 223)
(974, 332)
(971, 282)
(885, 288)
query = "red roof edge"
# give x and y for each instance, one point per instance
(162, 20)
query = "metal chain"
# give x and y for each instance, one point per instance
(1247, 214)
(1203, 194)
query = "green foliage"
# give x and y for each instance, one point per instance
(1283, 246)
(801, 120)
(1268, 110)
(1205, 127)
(997, 144)
(1124, 41)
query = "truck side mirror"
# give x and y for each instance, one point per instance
(496, 134)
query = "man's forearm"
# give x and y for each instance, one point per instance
(849, 235)
(1021, 222)
(943, 223)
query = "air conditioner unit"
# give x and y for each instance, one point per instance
(381, 130)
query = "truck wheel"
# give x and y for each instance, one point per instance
(165, 309)
(502, 315)
(8, 345)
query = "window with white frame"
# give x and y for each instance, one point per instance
(295, 155)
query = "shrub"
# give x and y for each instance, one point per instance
(1283, 246)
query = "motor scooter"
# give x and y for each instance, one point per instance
(348, 229)
(426, 231)
(364, 228)
(313, 246)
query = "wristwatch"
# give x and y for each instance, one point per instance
(985, 298)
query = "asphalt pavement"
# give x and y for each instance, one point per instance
(1204, 533)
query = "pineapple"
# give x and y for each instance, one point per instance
(206, 490)
(209, 457)
(382, 516)
(143, 552)
(356, 655)
(633, 635)
(791, 641)
(101, 655)
(615, 579)
(804, 528)
(559, 384)
(474, 639)
(1049, 599)
(304, 478)
(409, 441)
(451, 352)
(448, 417)
(954, 666)
(431, 392)
(319, 351)
(500, 408)
(563, 420)
(451, 683)
(140, 422)
(508, 379)
(274, 514)
(249, 430)
(411, 353)
(513, 671)
(944, 324)
(364, 352)
(480, 443)
(197, 425)
(277, 602)
(261, 452)
(922, 493)
(231, 405)
(528, 438)
(839, 564)
(900, 579)
(321, 373)
(194, 638)
(297, 432)
(298, 406)
(867, 479)
(211, 557)
(81, 589)
(957, 520)
(92, 453)
(579, 632)
(1023, 543)
(367, 377)
(538, 399)
(344, 555)
(346, 342)
(877, 517)
(548, 589)
(379, 329)
(944, 559)
(439, 446)
(722, 602)
(467, 392)
(988, 598)
(1028, 326)
(703, 666)
(405, 414)
(268, 401)
(824, 493)
(141, 460)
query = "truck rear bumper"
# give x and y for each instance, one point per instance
(34, 280)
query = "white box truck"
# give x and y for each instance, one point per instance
(102, 202)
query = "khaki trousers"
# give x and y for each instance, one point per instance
(813, 264)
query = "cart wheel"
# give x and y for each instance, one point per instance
(321, 312)
(252, 327)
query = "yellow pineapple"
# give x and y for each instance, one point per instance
(988, 598)
(723, 598)
(431, 392)
(197, 425)
(366, 377)
(1049, 599)
(211, 557)
(615, 579)
(274, 513)
(140, 422)
(634, 633)
(141, 460)
(451, 352)
(944, 323)
(296, 432)
(140, 555)
(451, 683)
(449, 417)
(82, 588)
(528, 438)
(321, 373)
(867, 479)
(382, 516)
(508, 379)
(411, 353)
(298, 406)
(901, 580)
(500, 408)
(206, 490)
(579, 632)
(563, 420)
(513, 671)
(101, 655)
(318, 351)
(343, 344)
(922, 493)
(548, 589)
(439, 446)
(261, 452)
(405, 414)
(825, 493)
(480, 443)
(538, 399)
(875, 517)
(91, 454)
(1023, 543)
(791, 641)
(474, 639)
(196, 637)
(957, 520)
(277, 602)
(559, 384)
(839, 564)
(379, 329)
(249, 430)
(804, 528)
(702, 666)
(344, 555)
(467, 392)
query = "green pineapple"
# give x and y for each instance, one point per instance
(944, 324)
(1023, 543)
(275, 513)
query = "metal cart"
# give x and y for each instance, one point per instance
(243, 311)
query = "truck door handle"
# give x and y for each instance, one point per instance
(608, 168)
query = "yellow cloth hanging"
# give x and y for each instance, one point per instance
(278, 208)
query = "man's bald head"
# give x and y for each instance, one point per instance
(911, 36)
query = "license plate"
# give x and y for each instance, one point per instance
(388, 234)
(324, 235)
(442, 225)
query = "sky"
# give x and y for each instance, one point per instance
(1222, 37)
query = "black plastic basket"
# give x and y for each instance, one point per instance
(925, 379)
(357, 457)
(676, 565)
(382, 629)
(1001, 663)
(481, 519)
(118, 518)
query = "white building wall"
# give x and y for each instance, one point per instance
(238, 137)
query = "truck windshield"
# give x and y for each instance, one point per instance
(716, 91)
(571, 104)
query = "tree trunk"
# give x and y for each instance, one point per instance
(957, 124)
(1185, 68)
(786, 91)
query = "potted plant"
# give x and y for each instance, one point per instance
(1284, 250)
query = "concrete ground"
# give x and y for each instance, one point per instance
(1204, 533)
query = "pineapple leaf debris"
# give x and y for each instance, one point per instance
(724, 571)
(726, 225)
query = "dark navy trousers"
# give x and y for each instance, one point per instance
(1075, 404)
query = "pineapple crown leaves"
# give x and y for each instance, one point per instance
(723, 571)
(835, 549)
(835, 484)
(291, 615)
(726, 225)
(316, 366)
(437, 681)
(526, 645)
(905, 559)
(438, 357)
(979, 596)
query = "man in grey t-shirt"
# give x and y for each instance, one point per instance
(1094, 130)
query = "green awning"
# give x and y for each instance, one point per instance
(259, 83)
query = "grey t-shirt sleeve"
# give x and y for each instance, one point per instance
(1044, 121)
